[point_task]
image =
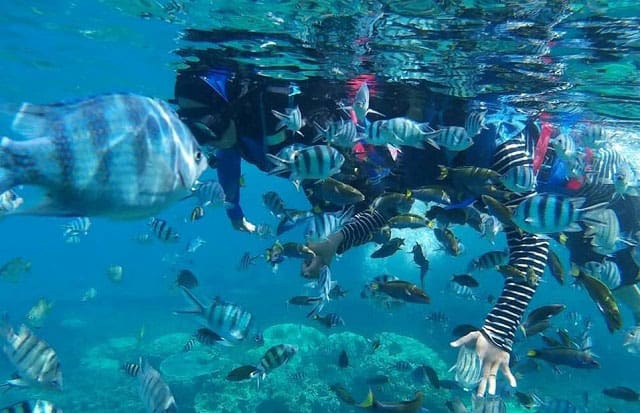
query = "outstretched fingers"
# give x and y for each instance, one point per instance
(506, 370)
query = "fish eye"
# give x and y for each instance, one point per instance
(198, 156)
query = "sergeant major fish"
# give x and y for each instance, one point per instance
(36, 363)
(273, 358)
(361, 104)
(548, 213)
(118, 155)
(154, 392)
(291, 120)
(312, 162)
(230, 321)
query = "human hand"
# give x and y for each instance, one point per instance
(493, 359)
(324, 253)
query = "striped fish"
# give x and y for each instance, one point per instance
(462, 291)
(360, 104)
(31, 406)
(488, 261)
(549, 213)
(132, 369)
(454, 138)
(77, 226)
(468, 367)
(606, 236)
(290, 120)
(188, 346)
(311, 162)
(273, 358)
(339, 133)
(230, 321)
(163, 231)
(209, 193)
(323, 225)
(36, 363)
(325, 284)
(607, 271)
(117, 155)
(564, 146)
(519, 178)
(197, 213)
(154, 392)
(474, 123)
(275, 204)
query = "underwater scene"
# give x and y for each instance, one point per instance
(320, 206)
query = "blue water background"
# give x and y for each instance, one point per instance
(46, 59)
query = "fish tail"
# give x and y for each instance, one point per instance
(281, 164)
(198, 308)
(369, 402)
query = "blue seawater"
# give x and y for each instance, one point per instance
(573, 60)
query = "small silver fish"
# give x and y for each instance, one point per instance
(360, 104)
(291, 120)
(474, 123)
(454, 138)
(75, 228)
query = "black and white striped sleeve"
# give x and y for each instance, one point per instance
(525, 251)
(361, 229)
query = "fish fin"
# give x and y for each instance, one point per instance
(34, 121)
(369, 402)
(316, 309)
(574, 227)
(282, 165)
(375, 112)
(199, 308)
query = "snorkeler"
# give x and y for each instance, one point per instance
(494, 341)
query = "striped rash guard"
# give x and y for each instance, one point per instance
(525, 250)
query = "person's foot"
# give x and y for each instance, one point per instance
(243, 225)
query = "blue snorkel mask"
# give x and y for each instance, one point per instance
(217, 80)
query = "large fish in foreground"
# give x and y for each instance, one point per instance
(118, 155)
(154, 392)
(35, 362)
